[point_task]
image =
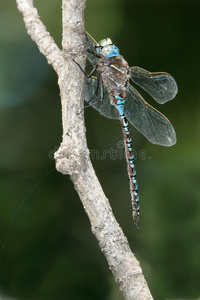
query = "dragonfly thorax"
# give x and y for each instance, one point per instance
(106, 48)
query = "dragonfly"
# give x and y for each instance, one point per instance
(113, 96)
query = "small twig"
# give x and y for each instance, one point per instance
(40, 35)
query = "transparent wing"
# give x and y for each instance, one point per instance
(150, 122)
(90, 44)
(104, 106)
(161, 86)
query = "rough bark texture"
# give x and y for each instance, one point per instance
(73, 155)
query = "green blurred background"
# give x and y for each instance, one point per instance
(48, 250)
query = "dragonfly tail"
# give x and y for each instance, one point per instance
(130, 168)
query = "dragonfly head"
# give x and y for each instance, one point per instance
(106, 48)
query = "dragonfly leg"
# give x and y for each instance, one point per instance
(99, 85)
(101, 88)
(91, 73)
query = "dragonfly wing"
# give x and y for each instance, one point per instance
(90, 46)
(161, 86)
(146, 119)
(103, 106)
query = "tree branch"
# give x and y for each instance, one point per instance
(72, 156)
(40, 35)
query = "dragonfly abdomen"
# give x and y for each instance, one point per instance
(130, 161)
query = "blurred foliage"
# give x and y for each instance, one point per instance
(48, 250)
